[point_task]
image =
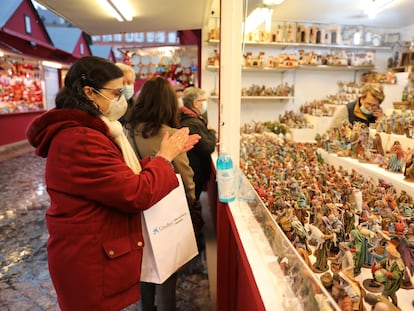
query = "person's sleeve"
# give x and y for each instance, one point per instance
(93, 168)
(340, 115)
(208, 140)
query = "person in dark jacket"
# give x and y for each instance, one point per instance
(98, 189)
(366, 109)
(192, 115)
(195, 106)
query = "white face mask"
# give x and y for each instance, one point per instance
(204, 106)
(117, 107)
(366, 111)
(128, 91)
(180, 102)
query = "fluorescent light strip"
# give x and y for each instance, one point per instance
(272, 2)
(125, 17)
(259, 16)
(121, 10)
(376, 6)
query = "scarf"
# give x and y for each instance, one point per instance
(188, 112)
(117, 134)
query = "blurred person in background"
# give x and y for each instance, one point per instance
(128, 85)
(192, 116)
(179, 90)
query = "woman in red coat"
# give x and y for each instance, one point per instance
(98, 189)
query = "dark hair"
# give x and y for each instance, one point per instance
(155, 106)
(87, 71)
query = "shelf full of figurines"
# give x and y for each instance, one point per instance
(359, 142)
(297, 34)
(334, 60)
(281, 91)
(341, 222)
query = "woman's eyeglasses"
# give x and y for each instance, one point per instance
(117, 92)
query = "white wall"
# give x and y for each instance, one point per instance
(407, 33)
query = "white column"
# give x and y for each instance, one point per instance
(230, 76)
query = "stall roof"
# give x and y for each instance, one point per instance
(30, 40)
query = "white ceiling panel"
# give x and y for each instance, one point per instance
(170, 15)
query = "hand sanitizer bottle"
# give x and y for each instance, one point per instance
(225, 177)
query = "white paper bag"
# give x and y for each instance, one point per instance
(169, 237)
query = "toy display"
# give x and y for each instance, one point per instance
(20, 86)
(359, 142)
(339, 221)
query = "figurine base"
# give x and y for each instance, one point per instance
(373, 286)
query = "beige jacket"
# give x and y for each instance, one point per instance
(150, 147)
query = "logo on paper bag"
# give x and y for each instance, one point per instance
(168, 224)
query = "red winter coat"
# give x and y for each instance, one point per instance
(94, 218)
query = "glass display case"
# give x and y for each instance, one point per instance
(281, 275)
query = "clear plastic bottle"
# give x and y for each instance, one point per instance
(225, 177)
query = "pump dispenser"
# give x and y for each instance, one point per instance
(225, 177)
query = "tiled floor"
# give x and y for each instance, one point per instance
(24, 278)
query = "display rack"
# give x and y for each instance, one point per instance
(285, 45)
(250, 74)
(249, 238)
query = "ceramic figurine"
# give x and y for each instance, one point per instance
(409, 167)
(345, 258)
(390, 271)
(322, 251)
(396, 158)
(357, 242)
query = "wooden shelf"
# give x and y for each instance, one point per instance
(336, 68)
(284, 45)
(269, 69)
(267, 97)
(259, 98)
(301, 67)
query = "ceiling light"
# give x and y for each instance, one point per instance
(259, 16)
(51, 64)
(120, 9)
(272, 2)
(376, 6)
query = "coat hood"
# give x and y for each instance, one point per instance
(42, 129)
